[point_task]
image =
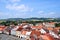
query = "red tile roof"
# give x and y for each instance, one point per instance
(55, 31)
(32, 38)
(39, 27)
(57, 28)
(2, 28)
(19, 29)
(52, 23)
(23, 32)
(49, 28)
(36, 32)
(34, 27)
(47, 37)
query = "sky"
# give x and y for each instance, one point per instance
(29, 8)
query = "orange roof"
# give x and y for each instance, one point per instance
(2, 28)
(38, 33)
(24, 32)
(52, 23)
(56, 31)
(32, 33)
(57, 28)
(50, 28)
(35, 32)
(47, 37)
(19, 29)
(39, 27)
(33, 27)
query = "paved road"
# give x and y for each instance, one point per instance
(8, 37)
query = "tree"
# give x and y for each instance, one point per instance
(57, 25)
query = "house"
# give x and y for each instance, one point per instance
(49, 28)
(42, 31)
(39, 27)
(57, 38)
(33, 27)
(31, 24)
(53, 34)
(2, 28)
(8, 29)
(38, 24)
(57, 28)
(35, 34)
(47, 37)
(27, 25)
(18, 31)
(25, 34)
(50, 24)
(28, 34)
(13, 31)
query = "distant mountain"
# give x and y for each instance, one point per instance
(16, 19)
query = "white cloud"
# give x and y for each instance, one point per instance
(22, 7)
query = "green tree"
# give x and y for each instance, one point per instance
(57, 25)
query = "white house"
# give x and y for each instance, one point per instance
(42, 31)
(50, 24)
(13, 31)
(53, 34)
